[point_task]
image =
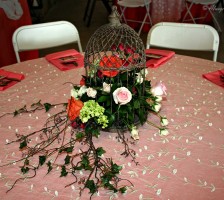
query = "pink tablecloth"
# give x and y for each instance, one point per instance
(186, 164)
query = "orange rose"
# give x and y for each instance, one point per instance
(74, 107)
(110, 62)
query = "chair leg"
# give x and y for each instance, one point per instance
(123, 14)
(214, 18)
(188, 12)
(143, 22)
(89, 11)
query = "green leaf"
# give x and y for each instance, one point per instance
(15, 113)
(100, 151)
(85, 162)
(88, 129)
(115, 168)
(47, 106)
(67, 149)
(136, 104)
(79, 135)
(123, 190)
(63, 171)
(26, 162)
(65, 105)
(37, 104)
(91, 186)
(49, 167)
(24, 170)
(77, 167)
(42, 160)
(103, 98)
(67, 159)
(96, 133)
(23, 144)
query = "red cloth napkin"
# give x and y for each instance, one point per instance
(56, 59)
(156, 62)
(10, 75)
(214, 77)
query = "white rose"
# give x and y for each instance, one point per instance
(139, 78)
(91, 92)
(134, 133)
(159, 89)
(106, 87)
(74, 93)
(156, 107)
(144, 71)
(164, 121)
(163, 132)
(82, 90)
(122, 96)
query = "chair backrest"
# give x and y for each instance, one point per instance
(44, 35)
(133, 3)
(184, 36)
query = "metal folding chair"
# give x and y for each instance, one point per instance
(123, 4)
(207, 5)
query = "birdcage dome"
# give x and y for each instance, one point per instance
(115, 46)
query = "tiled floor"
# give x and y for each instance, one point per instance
(73, 11)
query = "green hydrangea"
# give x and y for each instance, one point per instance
(92, 109)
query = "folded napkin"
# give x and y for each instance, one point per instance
(62, 59)
(215, 77)
(12, 75)
(156, 62)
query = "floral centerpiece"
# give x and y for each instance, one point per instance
(113, 95)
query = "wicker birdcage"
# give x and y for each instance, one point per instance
(115, 55)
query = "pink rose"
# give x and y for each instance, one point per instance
(122, 96)
(121, 47)
(129, 50)
(159, 89)
(113, 48)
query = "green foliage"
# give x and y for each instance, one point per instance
(47, 106)
(63, 171)
(49, 167)
(91, 186)
(103, 99)
(85, 163)
(67, 149)
(24, 170)
(67, 159)
(100, 151)
(115, 169)
(42, 160)
(23, 144)
(123, 190)
(79, 135)
(15, 113)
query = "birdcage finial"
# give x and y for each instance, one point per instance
(114, 17)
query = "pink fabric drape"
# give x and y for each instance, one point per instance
(7, 28)
(166, 11)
